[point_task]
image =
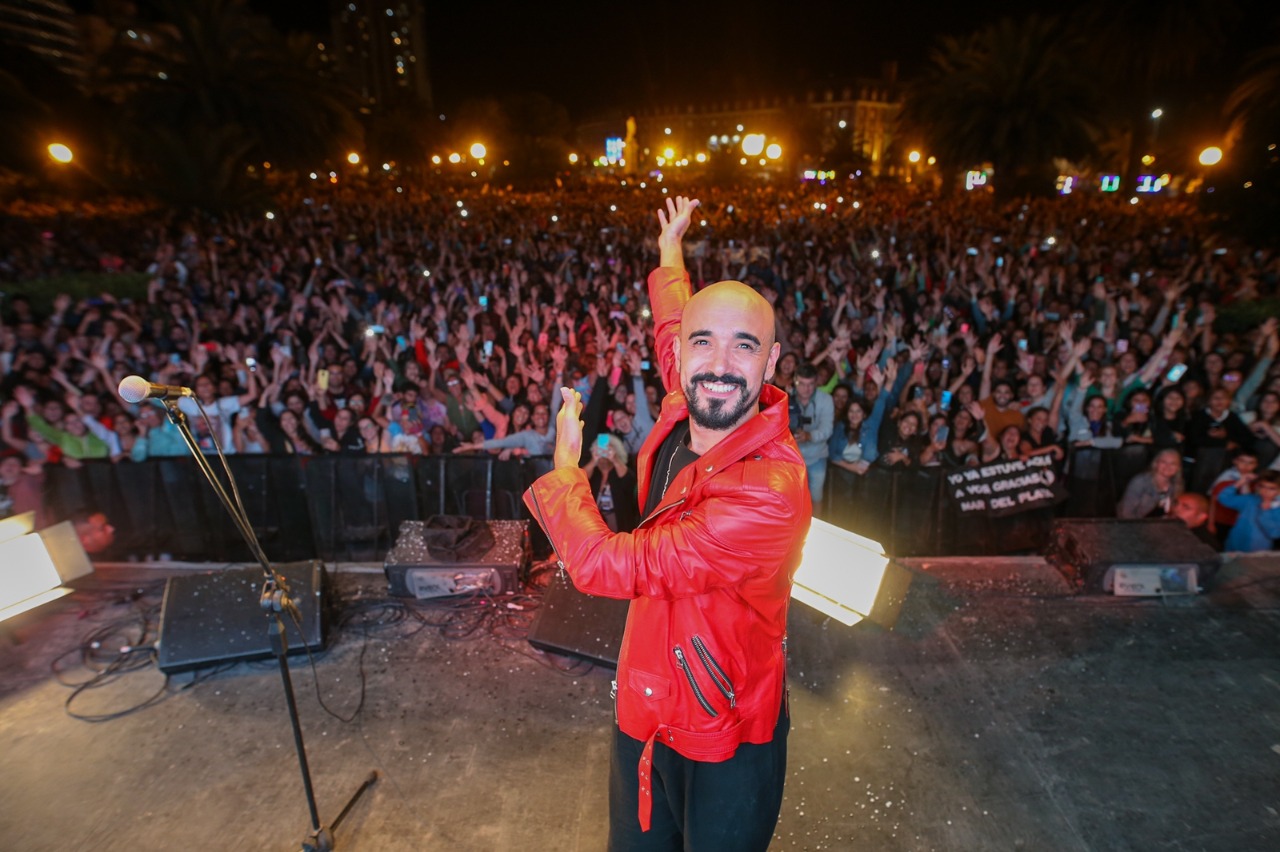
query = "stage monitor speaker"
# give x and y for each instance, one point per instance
(570, 622)
(209, 619)
(413, 572)
(1089, 550)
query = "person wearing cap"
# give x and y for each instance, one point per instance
(700, 747)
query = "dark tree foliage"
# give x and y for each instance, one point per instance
(215, 90)
(1013, 95)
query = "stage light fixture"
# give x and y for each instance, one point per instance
(33, 566)
(843, 575)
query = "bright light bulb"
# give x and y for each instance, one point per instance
(1211, 156)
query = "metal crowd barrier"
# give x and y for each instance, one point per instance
(349, 508)
(337, 508)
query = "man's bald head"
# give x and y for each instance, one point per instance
(726, 351)
(727, 298)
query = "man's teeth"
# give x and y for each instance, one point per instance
(719, 387)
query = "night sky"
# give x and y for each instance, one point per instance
(592, 55)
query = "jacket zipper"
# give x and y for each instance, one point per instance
(542, 522)
(658, 511)
(693, 684)
(718, 677)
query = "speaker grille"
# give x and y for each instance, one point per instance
(210, 619)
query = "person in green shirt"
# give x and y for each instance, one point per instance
(71, 435)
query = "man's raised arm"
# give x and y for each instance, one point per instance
(669, 284)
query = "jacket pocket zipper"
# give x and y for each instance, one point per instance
(718, 677)
(693, 684)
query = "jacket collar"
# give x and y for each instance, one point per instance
(770, 423)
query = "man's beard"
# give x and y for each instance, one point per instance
(714, 414)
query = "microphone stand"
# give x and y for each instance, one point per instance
(273, 601)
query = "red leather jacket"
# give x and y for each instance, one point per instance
(708, 572)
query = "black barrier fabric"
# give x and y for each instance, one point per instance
(1003, 488)
(349, 508)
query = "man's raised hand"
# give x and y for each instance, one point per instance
(568, 430)
(675, 222)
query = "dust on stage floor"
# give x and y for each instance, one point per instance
(1003, 711)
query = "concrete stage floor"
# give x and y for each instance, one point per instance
(1003, 712)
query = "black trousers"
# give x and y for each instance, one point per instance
(699, 807)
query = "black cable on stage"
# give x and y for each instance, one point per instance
(464, 618)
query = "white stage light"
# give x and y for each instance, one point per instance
(33, 566)
(841, 574)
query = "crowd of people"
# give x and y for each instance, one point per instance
(917, 331)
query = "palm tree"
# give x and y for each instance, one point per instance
(1144, 51)
(1252, 199)
(1255, 100)
(1011, 94)
(215, 81)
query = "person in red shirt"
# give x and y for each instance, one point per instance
(699, 755)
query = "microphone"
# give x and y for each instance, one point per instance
(134, 389)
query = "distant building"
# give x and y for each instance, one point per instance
(46, 28)
(380, 50)
(815, 130)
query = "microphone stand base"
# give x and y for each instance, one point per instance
(321, 840)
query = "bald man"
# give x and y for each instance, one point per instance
(700, 748)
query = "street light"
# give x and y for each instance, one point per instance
(573, 159)
(1211, 156)
(753, 144)
(455, 158)
(60, 153)
(353, 158)
(478, 150)
(774, 151)
(914, 157)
